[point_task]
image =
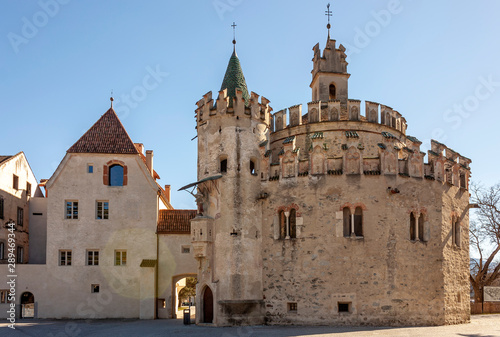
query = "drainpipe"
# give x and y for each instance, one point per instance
(156, 275)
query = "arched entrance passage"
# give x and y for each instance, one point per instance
(175, 292)
(27, 305)
(208, 305)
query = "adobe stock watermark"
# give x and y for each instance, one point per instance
(381, 19)
(455, 116)
(31, 26)
(224, 6)
(152, 80)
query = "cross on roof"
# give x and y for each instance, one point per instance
(328, 13)
(234, 32)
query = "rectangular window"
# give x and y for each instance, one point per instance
(2, 247)
(65, 257)
(344, 306)
(20, 254)
(102, 210)
(92, 257)
(120, 257)
(292, 307)
(71, 209)
(3, 295)
(15, 182)
(94, 288)
(1, 207)
(20, 216)
(185, 249)
(28, 189)
(90, 168)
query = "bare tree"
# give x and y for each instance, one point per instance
(485, 238)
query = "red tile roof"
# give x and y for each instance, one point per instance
(107, 135)
(175, 221)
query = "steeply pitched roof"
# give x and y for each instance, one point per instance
(234, 78)
(175, 221)
(3, 158)
(107, 135)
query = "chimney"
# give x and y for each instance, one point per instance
(167, 192)
(149, 161)
(139, 147)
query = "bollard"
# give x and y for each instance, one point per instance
(187, 316)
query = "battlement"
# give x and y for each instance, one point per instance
(333, 111)
(237, 107)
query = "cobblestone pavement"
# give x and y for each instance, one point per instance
(480, 326)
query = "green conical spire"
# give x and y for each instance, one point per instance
(234, 78)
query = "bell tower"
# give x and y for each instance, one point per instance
(329, 74)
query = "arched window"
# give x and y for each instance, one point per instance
(223, 165)
(421, 227)
(413, 229)
(116, 175)
(358, 221)
(282, 224)
(252, 167)
(347, 222)
(293, 223)
(332, 91)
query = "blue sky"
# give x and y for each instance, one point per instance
(434, 62)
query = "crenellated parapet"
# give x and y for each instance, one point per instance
(207, 107)
(334, 111)
(448, 165)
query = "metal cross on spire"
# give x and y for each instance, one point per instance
(234, 32)
(328, 13)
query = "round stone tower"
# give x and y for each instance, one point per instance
(227, 233)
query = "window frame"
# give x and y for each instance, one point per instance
(20, 216)
(110, 175)
(90, 168)
(15, 182)
(92, 257)
(120, 257)
(20, 254)
(94, 288)
(104, 211)
(28, 189)
(67, 253)
(72, 215)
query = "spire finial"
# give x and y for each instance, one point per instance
(111, 98)
(234, 35)
(328, 13)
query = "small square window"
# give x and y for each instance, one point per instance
(292, 307)
(90, 168)
(344, 306)
(185, 250)
(94, 288)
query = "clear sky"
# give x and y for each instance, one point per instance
(436, 62)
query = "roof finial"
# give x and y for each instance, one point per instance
(111, 98)
(328, 13)
(234, 35)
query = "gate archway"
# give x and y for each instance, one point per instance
(27, 305)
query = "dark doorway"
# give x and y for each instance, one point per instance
(27, 305)
(208, 306)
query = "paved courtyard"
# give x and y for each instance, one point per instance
(480, 326)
